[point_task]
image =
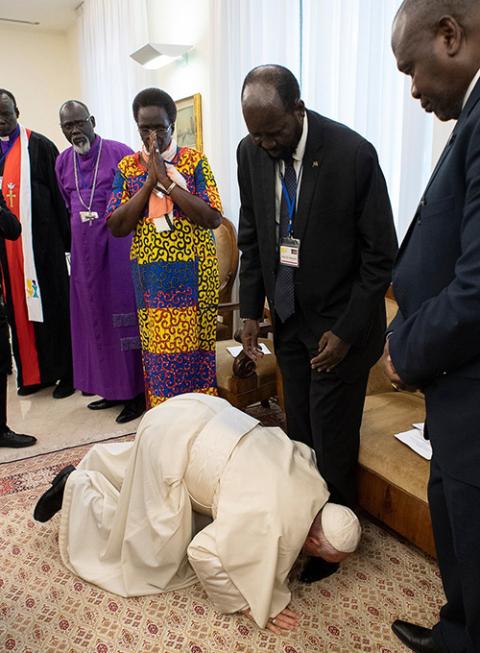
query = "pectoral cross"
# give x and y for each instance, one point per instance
(10, 195)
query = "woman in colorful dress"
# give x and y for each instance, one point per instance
(167, 196)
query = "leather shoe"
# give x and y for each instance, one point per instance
(25, 390)
(17, 440)
(51, 501)
(316, 569)
(63, 389)
(416, 638)
(101, 404)
(133, 408)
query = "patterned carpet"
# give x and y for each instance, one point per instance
(44, 609)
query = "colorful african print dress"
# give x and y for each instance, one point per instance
(175, 274)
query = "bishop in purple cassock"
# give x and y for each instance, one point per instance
(105, 337)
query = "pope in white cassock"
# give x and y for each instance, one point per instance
(133, 514)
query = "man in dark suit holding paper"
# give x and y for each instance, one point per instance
(434, 342)
(318, 242)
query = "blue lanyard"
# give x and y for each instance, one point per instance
(290, 201)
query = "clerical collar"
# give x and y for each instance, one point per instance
(11, 136)
(472, 85)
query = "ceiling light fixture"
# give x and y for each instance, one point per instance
(157, 55)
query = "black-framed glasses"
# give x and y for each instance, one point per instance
(161, 129)
(71, 124)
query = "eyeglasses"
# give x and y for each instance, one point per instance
(70, 126)
(162, 130)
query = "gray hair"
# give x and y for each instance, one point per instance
(70, 103)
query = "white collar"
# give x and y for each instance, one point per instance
(470, 88)
(300, 149)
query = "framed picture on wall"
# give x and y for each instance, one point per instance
(188, 127)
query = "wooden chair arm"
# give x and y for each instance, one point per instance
(243, 366)
(228, 307)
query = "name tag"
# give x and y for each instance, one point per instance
(88, 216)
(163, 223)
(290, 252)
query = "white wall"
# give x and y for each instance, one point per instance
(190, 23)
(40, 69)
(441, 133)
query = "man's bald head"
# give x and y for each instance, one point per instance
(276, 82)
(427, 13)
(72, 104)
(437, 43)
(273, 110)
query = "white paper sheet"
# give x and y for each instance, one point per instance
(415, 440)
(236, 350)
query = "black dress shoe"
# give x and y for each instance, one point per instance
(417, 638)
(63, 389)
(101, 404)
(51, 501)
(25, 390)
(87, 394)
(133, 408)
(17, 440)
(316, 569)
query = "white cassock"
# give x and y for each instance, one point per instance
(129, 521)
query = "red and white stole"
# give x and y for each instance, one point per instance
(16, 187)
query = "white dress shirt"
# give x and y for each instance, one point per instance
(298, 166)
(470, 88)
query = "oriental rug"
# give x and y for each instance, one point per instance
(45, 609)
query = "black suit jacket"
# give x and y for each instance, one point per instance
(435, 342)
(348, 242)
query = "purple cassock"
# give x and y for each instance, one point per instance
(105, 337)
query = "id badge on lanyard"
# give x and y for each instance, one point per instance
(289, 246)
(290, 252)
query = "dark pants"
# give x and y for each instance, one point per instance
(455, 510)
(5, 363)
(322, 410)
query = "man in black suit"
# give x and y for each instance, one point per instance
(434, 342)
(318, 241)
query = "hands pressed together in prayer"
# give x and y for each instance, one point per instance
(331, 351)
(284, 621)
(157, 170)
(195, 208)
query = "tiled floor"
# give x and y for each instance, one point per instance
(59, 423)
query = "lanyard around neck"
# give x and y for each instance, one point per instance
(290, 202)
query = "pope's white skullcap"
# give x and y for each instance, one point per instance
(341, 527)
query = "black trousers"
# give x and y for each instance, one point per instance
(455, 511)
(322, 410)
(5, 363)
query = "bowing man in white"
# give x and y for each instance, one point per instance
(132, 512)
